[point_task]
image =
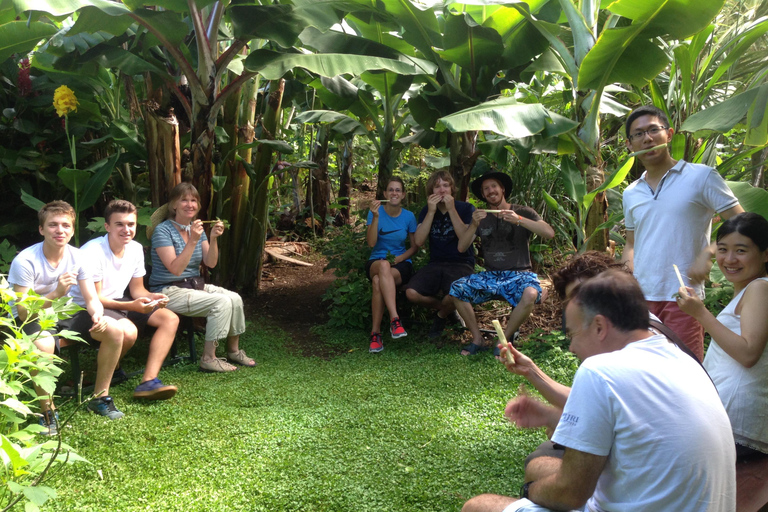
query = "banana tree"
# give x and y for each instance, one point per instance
(601, 56)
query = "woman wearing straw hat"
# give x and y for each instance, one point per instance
(179, 245)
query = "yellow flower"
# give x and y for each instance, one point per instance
(64, 101)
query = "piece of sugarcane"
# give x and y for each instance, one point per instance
(644, 151)
(503, 340)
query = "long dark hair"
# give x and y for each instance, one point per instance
(750, 225)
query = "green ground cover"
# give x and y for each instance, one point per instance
(413, 428)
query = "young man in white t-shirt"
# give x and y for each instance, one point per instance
(52, 268)
(118, 267)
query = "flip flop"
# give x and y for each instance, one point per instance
(474, 349)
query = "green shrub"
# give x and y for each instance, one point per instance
(349, 297)
(28, 463)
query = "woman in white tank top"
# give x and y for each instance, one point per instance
(737, 359)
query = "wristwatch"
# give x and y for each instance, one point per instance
(524, 489)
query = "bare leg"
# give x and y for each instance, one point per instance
(487, 503)
(166, 323)
(422, 300)
(109, 355)
(45, 343)
(521, 312)
(446, 307)
(389, 278)
(377, 305)
(468, 314)
(130, 334)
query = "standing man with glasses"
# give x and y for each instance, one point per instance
(668, 217)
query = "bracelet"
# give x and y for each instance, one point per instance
(518, 220)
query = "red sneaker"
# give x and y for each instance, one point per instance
(396, 329)
(376, 343)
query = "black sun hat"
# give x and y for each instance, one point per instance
(504, 179)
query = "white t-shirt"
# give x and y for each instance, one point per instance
(32, 270)
(744, 391)
(655, 414)
(672, 224)
(114, 273)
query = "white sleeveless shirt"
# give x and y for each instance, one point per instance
(743, 391)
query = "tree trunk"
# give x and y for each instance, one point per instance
(598, 212)
(464, 154)
(758, 168)
(319, 183)
(163, 154)
(346, 162)
(249, 271)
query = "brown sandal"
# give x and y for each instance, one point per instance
(240, 358)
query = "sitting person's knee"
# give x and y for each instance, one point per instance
(412, 295)
(529, 296)
(45, 343)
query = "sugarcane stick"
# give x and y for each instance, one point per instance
(643, 151)
(679, 277)
(503, 340)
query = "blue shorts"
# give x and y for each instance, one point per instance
(493, 284)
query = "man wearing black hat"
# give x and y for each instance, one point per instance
(504, 232)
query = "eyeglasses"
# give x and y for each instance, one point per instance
(652, 131)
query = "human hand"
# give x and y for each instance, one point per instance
(448, 201)
(161, 299)
(477, 216)
(375, 204)
(100, 323)
(432, 202)
(689, 303)
(197, 230)
(527, 412)
(522, 365)
(65, 282)
(700, 268)
(217, 230)
(510, 216)
(143, 305)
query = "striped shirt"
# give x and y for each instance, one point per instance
(166, 235)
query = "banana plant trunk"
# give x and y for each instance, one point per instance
(346, 162)
(597, 213)
(252, 248)
(319, 190)
(163, 155)
(464, 155)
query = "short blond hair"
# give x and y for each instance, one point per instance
(55, 208)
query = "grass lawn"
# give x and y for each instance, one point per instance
(412, 428)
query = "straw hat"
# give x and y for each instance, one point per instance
(157, 217)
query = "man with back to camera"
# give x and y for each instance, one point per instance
(443, 220)
(118, 267)
(643, 427)
(668, 217)
(504, 236)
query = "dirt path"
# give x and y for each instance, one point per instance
(290, 296)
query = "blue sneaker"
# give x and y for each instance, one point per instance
(105, 406)
(50, 421)
(154, 390)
